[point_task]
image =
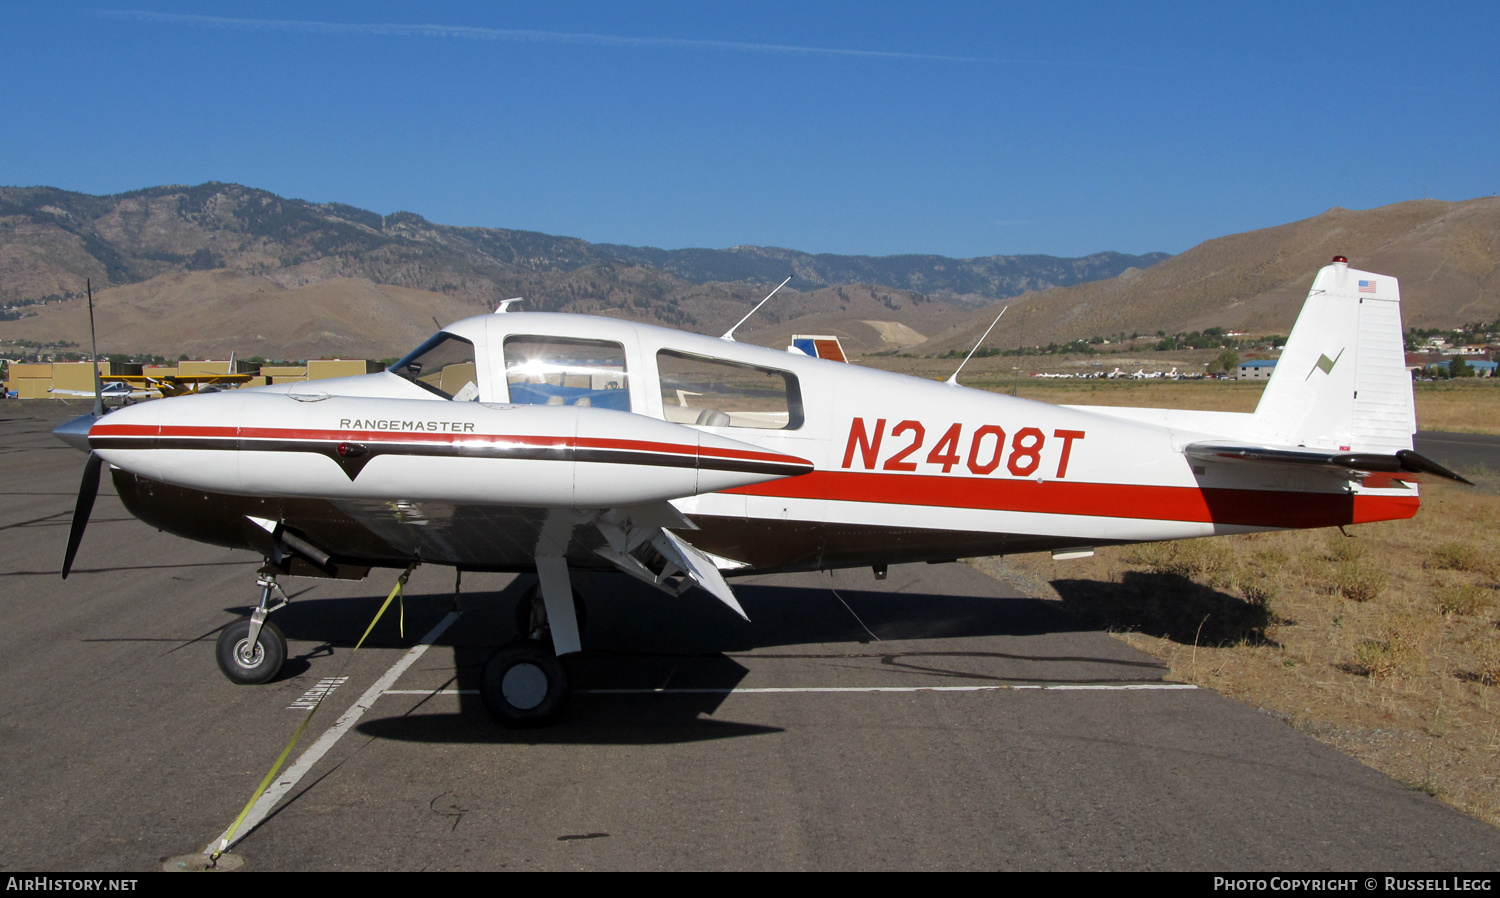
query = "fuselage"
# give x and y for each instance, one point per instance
(782, 461)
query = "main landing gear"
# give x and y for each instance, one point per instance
(251, 650)
(524, 683)
(531, 615)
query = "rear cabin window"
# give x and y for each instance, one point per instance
(713, 392)
(564, 371)
(443, 365)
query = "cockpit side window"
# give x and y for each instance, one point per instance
(565, 371)
(700, 390)
(443, 365)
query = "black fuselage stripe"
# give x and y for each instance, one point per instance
(453, 450)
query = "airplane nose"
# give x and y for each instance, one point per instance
(75, 431)
(131, 419)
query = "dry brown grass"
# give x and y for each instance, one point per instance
(1460, 556)
(1459, 406)
(1466, 600)
(1385, 644)
(1358, 582)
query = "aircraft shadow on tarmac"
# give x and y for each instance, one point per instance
(1167, 605)
(637, 638)
(590, 719)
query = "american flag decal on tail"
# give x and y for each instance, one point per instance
(1367, 286)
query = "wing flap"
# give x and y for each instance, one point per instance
(655, 555)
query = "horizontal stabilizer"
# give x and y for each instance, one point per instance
(1353, 465)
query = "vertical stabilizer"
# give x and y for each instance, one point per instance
(1341, 382)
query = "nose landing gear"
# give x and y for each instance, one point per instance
(251, 650)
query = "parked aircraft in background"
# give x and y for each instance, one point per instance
(169, 385)
(551, 443)
(152, 386)
(111, 389)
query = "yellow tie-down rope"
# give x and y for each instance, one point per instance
(302, 727)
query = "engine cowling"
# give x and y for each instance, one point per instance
(264, 444)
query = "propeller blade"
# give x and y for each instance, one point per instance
(98, 384)
(88, 490)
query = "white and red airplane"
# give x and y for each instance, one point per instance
(550, 443)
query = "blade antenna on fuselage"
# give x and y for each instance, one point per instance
(729, 334)
(953, 381)
(94, 346)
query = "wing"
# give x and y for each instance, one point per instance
(89, 394)
(202, 379)
(465, 484)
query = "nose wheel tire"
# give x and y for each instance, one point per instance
(525, 685)
(246, 664)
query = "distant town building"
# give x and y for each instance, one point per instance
(1480, 367)
(1418, 362)
(1255, 369)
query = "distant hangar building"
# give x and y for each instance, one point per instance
(1256, 369)
(37, 380)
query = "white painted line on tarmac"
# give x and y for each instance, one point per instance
(315, 752)
(319, 693)
(773, 690)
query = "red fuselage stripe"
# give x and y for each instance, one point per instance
(403, 436)
(1260, 508)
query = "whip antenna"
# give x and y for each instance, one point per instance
(729, 334)
(953, 381)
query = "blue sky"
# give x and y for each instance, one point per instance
(963, 129)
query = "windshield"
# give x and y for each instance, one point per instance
(443, 365)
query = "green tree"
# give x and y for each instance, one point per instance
(1460, 368)
(1227, 362)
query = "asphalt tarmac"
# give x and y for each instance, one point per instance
(1460, 452)
(785, 743)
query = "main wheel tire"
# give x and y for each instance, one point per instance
(530, 598)
(525, 685)
(251, 665)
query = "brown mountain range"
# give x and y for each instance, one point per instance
(1446, 255)
(215, 266)
(220, 268)
(209, 314)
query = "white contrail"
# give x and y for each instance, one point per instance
(522, 36)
